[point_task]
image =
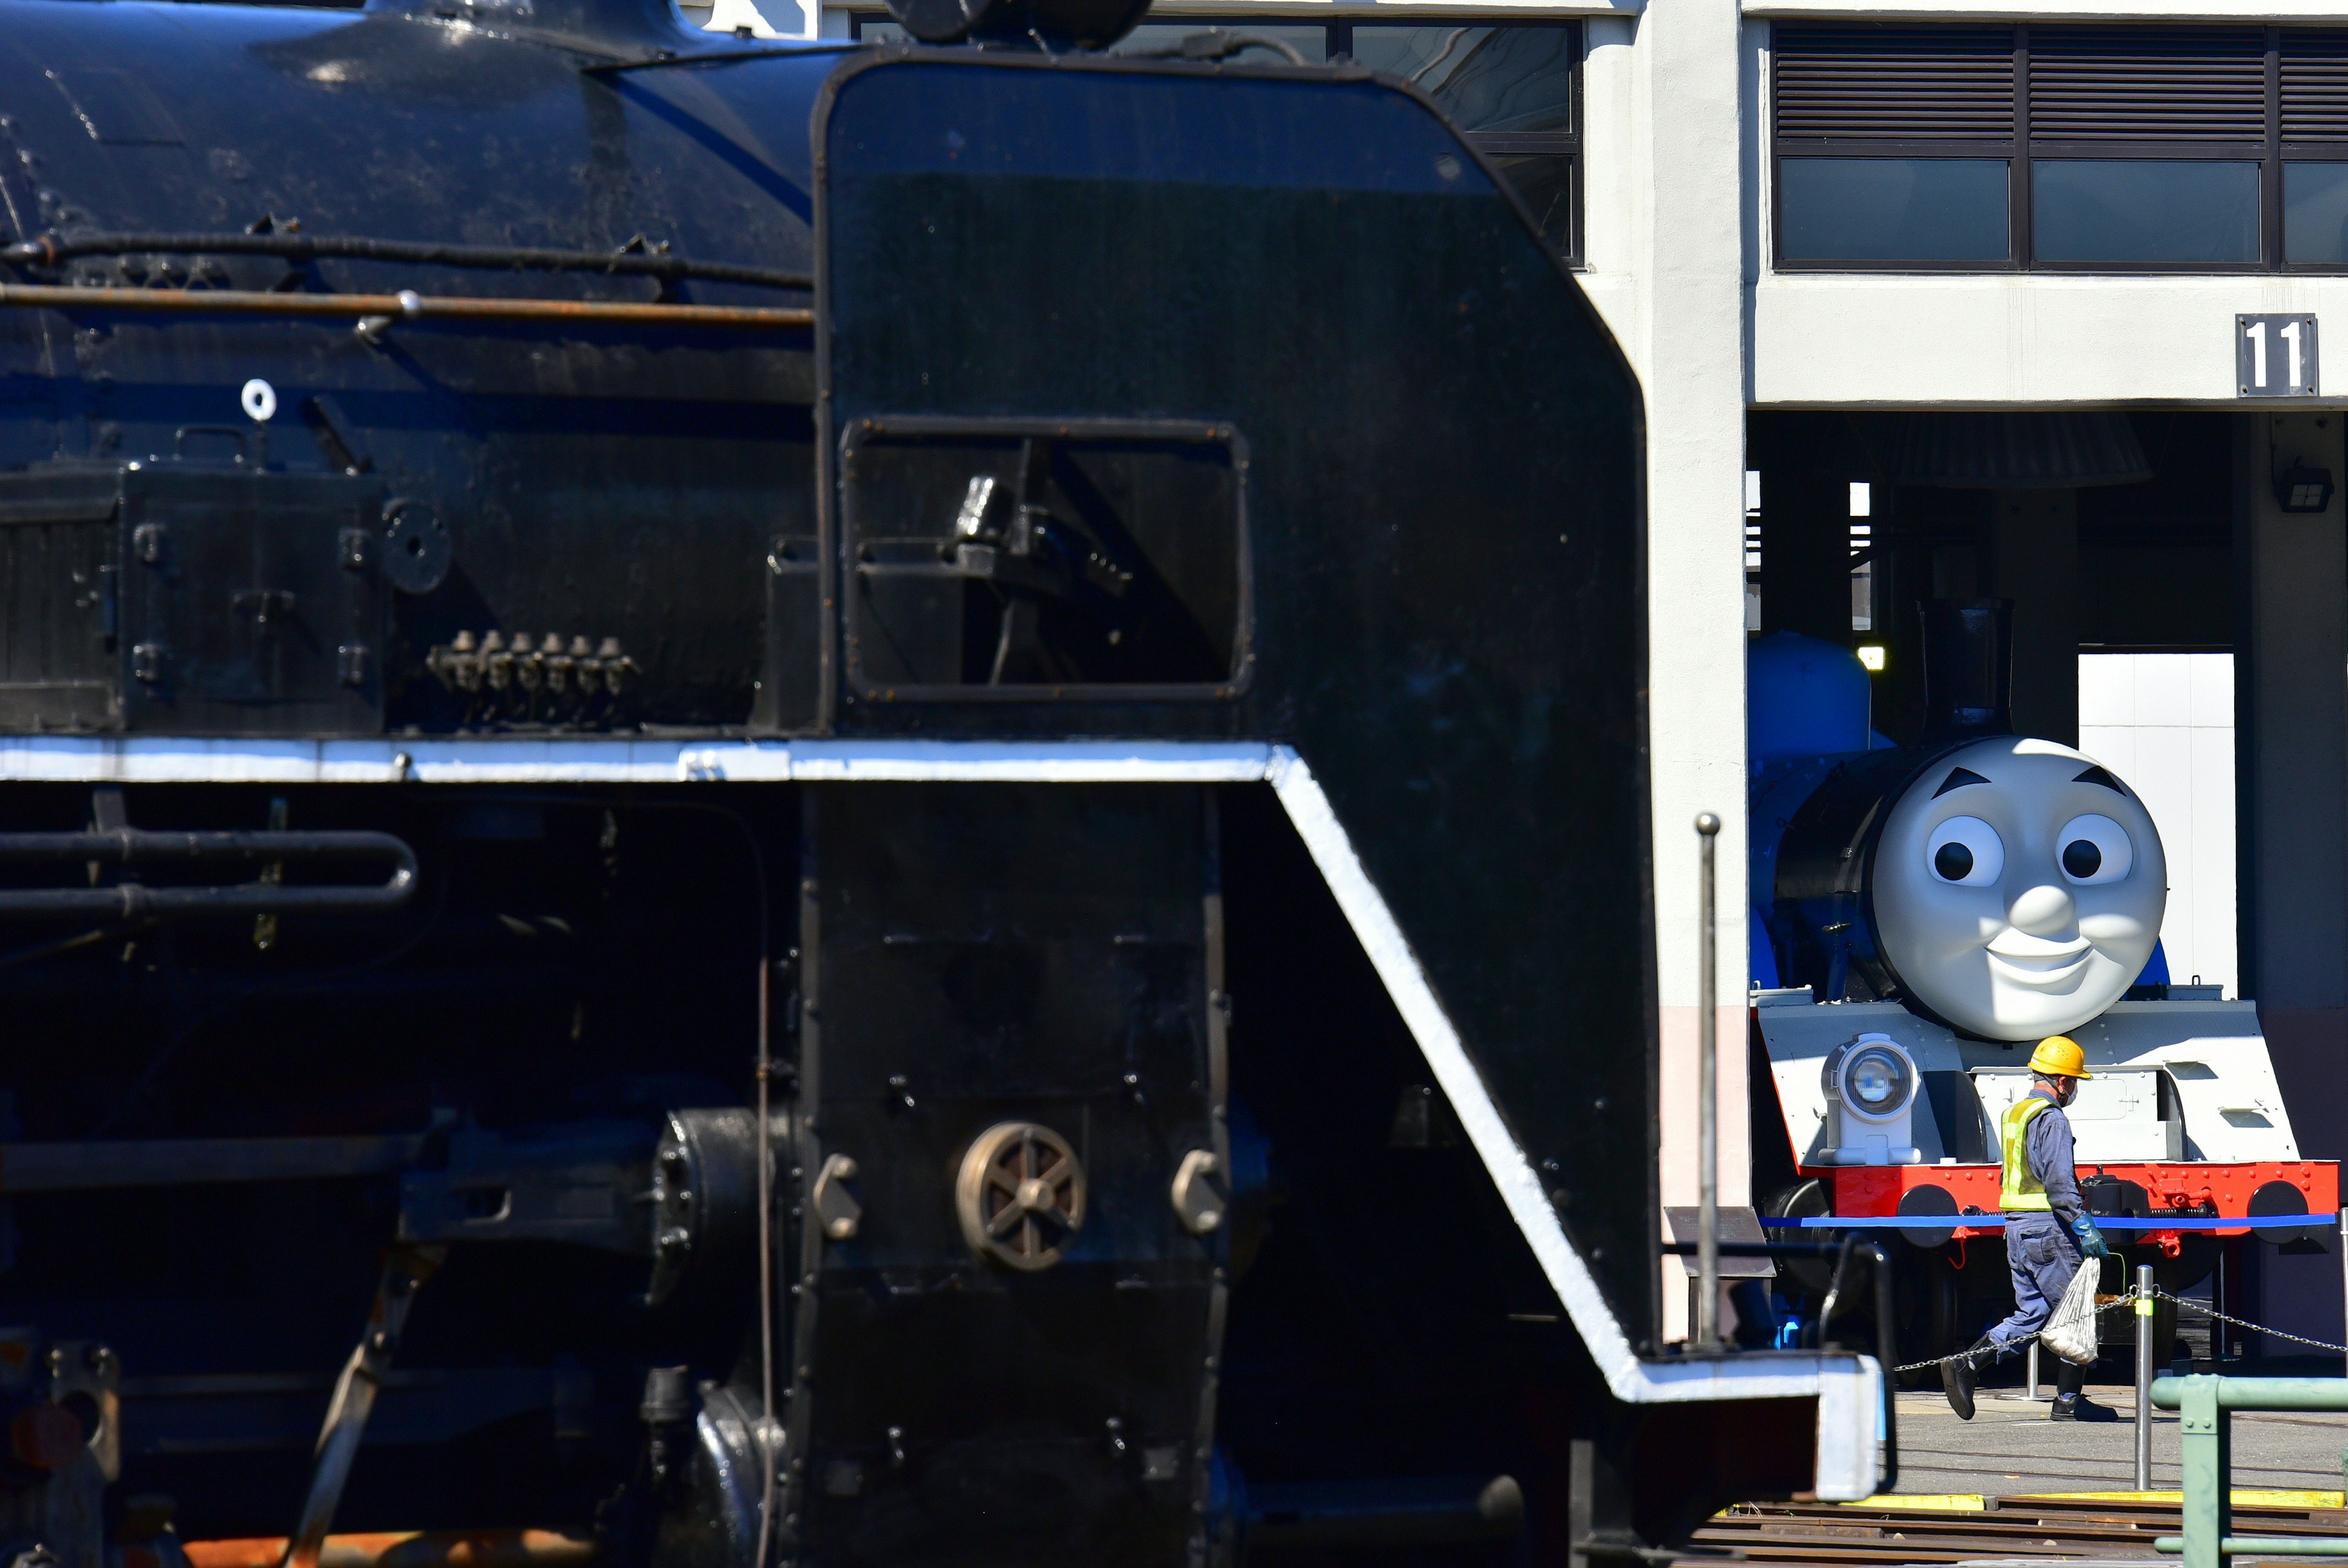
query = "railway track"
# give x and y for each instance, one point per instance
(2004, 1529)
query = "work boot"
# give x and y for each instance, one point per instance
(1960, 1374)
(2071, 1402)
(2079, 1407)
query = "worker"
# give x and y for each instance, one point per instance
(2049, 1236)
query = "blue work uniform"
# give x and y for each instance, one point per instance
(2041, 1251)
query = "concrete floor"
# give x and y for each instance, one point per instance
(2011, 1447)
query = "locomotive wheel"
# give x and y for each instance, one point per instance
(1806, 1199)
(1021, 1196)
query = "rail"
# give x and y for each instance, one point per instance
(2205, 1406)
(374, 313)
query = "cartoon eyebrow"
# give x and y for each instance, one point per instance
(2098, 776)
(1960, 777)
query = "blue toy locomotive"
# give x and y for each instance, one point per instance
(1921, 917)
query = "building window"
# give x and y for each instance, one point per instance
(1513, 88)
(2079, 148)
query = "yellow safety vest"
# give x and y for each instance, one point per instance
(2018, 1187)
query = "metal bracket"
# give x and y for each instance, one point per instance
(836, 1208)
(1198, 1201)
(577, 1183)
(88, 1369)
(346, 1414)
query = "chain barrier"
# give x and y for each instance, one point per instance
(2245, 1323)
(2127, 1300)
(2018, 1345)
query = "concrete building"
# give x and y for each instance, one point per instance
(1950, 297)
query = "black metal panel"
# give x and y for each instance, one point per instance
(1856, 83)
(2148, 84)
(252, 602)
(1892, 83)
(984, 954)
(2314, 70)
(1444, 500)
(790, 646)
(59, 605)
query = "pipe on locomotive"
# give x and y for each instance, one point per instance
(290, 245)
(132, 848)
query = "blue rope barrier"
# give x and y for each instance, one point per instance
(1993, 1222)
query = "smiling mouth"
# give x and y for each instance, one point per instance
(2038, 963)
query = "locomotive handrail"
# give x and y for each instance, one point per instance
(50, 249)
(2205, 1405)
(406, 305)
(134, 848)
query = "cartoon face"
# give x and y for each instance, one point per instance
(2018, 888)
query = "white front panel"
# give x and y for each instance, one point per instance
(2115, 1117)
(2215, 1056)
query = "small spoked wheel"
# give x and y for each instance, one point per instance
(1021, 1196)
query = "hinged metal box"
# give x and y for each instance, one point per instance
(191, 599)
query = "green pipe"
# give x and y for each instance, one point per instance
(2261, 1393)
(2267, 1545)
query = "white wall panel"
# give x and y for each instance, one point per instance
(2165, 723)
(1848, 339)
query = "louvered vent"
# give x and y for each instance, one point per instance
(2170, 84)
(1897, 84)
(2314, 87)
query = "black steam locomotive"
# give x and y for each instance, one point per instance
(804, 803)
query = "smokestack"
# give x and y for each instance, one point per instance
(1968, 668)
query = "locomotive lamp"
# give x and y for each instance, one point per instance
(1870, 1088)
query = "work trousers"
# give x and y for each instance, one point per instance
(2041, 1255)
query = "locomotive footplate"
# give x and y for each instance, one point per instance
(1007, 1323)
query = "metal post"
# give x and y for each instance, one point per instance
(1707, 1243)
(2217, 1301)
(2144, 1377)
(2034, 1371)
(2202, 1432)
(2343, 1279)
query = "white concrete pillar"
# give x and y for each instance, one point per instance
(1687, 342)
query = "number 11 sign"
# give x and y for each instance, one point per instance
(2274, 357)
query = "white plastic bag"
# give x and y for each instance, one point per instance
(2071, 1332)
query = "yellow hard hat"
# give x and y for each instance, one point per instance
(2059, 1056)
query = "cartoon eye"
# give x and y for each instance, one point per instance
(1967, 850)
(2094, 849)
